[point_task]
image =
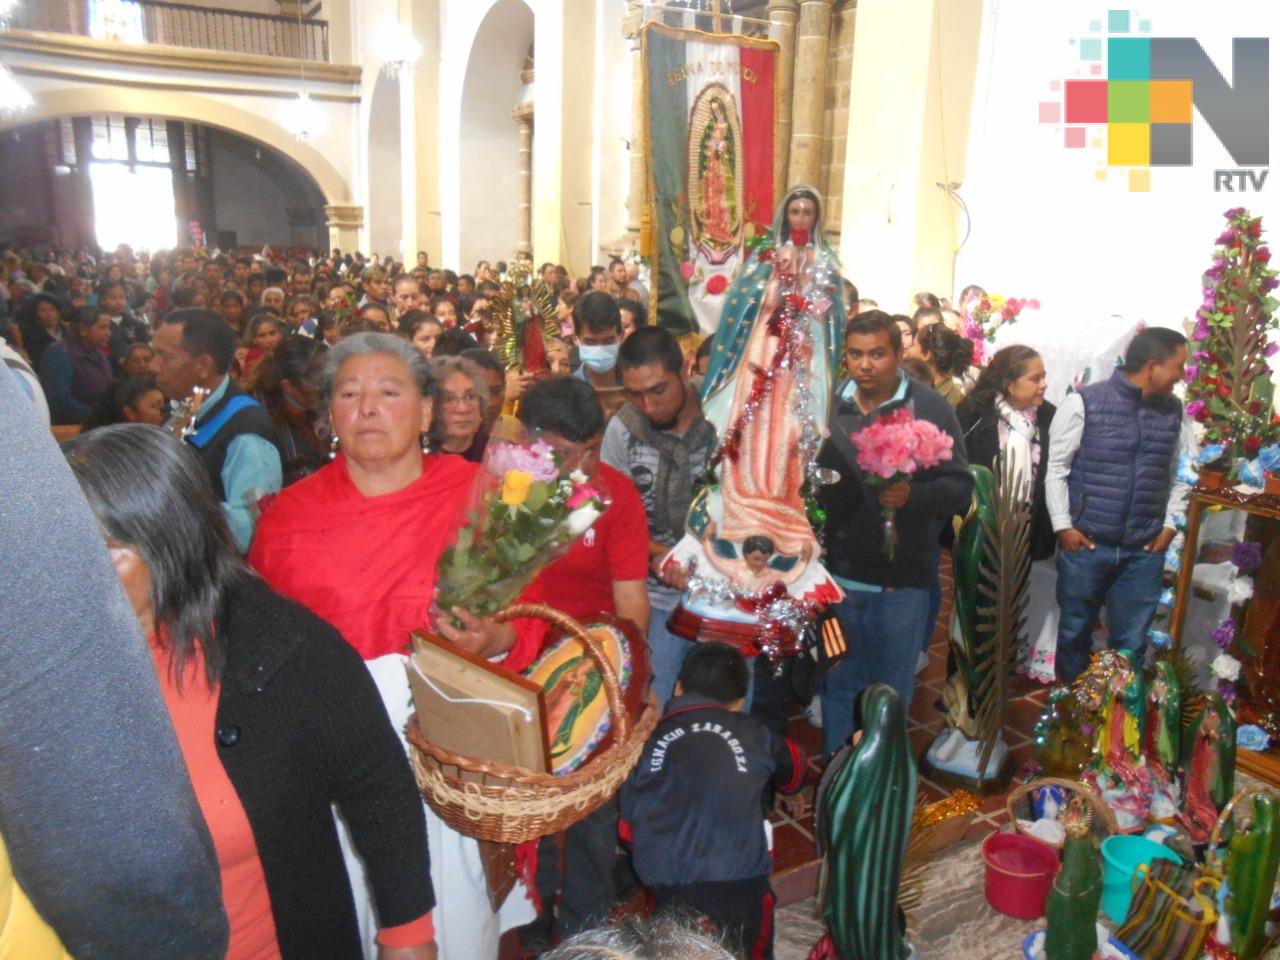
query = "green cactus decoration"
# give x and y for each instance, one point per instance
(865, 809)
(1072, 906)
(1253, 857)
(992, 564)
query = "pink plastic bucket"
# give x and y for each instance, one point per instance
(1020, 872)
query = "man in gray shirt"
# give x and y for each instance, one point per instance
(661, 440)
(96, 808)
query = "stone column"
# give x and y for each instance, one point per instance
(635, 196)
(344, 223)
(782, 28)
(805, 162)
(523, 116)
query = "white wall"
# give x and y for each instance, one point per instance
(613, 126)
(1044, 226)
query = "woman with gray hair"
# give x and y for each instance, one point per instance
(357, 543)
(664, 937)
(463, 395)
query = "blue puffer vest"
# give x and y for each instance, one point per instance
(1120, 478)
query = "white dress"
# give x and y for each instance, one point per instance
(466, 928)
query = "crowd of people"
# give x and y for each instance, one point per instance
(324, 416)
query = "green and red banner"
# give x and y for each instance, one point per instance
(711, 109)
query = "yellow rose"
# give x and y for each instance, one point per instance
(515, 487)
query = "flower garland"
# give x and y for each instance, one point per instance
(1228, 389)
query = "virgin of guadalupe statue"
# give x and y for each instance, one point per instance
(1210, 767)
(1162, 739)
(1119, 744)
(766, 392)
(863, 810)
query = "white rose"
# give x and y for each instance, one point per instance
(1226, 667)
(1241, 589)
(581, 519)
(578, 477)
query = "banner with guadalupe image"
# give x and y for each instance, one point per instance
(711, 108)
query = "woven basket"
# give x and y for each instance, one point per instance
(1102, 820)
(513, 804)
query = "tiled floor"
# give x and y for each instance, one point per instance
(795, 860)
(795, 857)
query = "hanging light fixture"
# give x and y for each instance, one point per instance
(305, 119)
(14, 97)
(400, 50)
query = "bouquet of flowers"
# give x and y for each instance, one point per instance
(1229, 387)
(526, 510)
(895, 447)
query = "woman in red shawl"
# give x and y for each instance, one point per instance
(357, 544)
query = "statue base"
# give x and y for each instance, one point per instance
(750, 638)
(952, 761)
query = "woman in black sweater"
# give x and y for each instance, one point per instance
(1006, 412)
(267, 696)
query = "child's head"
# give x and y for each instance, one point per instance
(716, 671)
(756, 552)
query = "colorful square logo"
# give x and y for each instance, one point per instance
(1139, 94)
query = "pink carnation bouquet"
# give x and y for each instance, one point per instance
(525, 510)
(894, 448)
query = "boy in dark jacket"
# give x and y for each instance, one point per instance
(693, 808)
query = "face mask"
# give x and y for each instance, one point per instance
(600, 358)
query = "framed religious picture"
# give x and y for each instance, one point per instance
(475, 708)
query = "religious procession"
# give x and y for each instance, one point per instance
(771, 583)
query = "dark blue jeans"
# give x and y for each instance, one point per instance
(1127, 580)
(883, 631)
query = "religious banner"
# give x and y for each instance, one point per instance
(711, 108)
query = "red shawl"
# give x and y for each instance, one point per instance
(367, 565)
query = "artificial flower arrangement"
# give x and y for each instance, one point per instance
(983, 316)
(1229, 390)
(525, 511)
(892, 449)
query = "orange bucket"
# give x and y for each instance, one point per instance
(1020, 872)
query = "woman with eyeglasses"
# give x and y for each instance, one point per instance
(463, 395)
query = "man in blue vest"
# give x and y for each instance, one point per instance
(1113, 456)
(234, 434)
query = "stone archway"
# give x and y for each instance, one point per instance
(384, 210)
(133, 101)
(489, 136)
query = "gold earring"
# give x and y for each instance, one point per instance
(333, 446)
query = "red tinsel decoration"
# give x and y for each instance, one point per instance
(791, 306)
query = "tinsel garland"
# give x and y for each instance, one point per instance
(789, 323)
(783, 618)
